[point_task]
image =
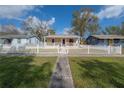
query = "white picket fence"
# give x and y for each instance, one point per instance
(54, 50)
(95, 49)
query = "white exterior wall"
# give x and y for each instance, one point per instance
(22, 42)
(32, 41)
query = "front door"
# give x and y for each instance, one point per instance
(71, 41)
(63, 42)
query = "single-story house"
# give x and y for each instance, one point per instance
(105, 40)
(18, 40)
(64, 40)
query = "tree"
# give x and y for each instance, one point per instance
(93, 25)
(37, 27)
(84, 20)
(51, 32)
(113, 30)
(122, 28)
(33, 26)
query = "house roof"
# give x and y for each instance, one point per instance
(62, 36)
(16, 36)
(108, 36)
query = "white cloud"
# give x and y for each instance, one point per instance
(111, 12)
(14, 11)
(51, 21)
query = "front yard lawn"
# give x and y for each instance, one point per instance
(96, 72)
(25, 71)
(122, 50)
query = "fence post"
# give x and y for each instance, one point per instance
(37, 48)
(66, 50)
(88, 49)
(120, 49)
(58, 50)
(109, 49)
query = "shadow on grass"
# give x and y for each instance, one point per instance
(19, 72)
(103, 74)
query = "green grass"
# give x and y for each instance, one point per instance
(25, 71)
(96, 72)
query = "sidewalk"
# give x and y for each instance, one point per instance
(62, 77)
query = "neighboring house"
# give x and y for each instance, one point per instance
(105, 40)
(64, 40)
(18, 40)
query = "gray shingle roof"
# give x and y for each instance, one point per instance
(108, 36)
(16, 36)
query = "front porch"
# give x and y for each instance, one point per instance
(61, 40)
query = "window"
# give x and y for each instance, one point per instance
(116, 41)
(122, 41)
(71, 40)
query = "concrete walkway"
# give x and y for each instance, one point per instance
(62, 77)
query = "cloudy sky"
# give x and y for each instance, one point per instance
(59, 16)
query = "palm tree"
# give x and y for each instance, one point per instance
(84, 20)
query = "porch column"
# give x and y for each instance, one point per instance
(61, 42)
(65, 41)
(110, 41)
(54, 41)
